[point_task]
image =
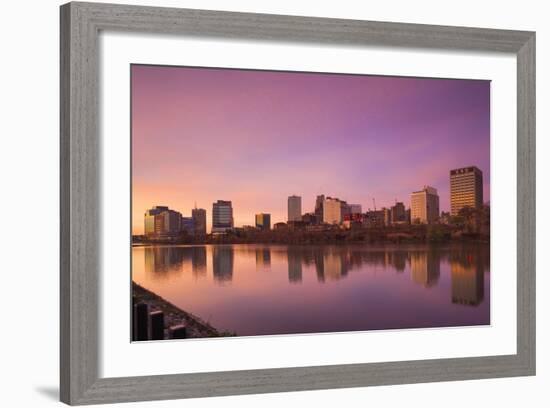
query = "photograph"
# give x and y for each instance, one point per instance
(289, 203)
(275, 204)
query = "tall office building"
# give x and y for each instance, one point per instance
(425, 205)
(153, 221)
(332, 211)
(398, 213)
(466, 189)
(294, 208)
(222, 217)
(263, 221)
(199, 219)
(319, 208)
(387, 216)
(160, 221)
(188, 225)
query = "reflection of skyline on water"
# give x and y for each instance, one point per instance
(294, 261)
(276, 289)
(263, 258)
(425, 268)
(468, 283)
(330, 263)
(162, 262)
(198, 261)
(222, 263)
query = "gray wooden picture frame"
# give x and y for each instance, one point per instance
(81, 24)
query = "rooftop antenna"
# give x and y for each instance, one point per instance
(374, 203)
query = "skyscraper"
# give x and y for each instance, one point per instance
(153, 222)
(199, 218)
(294, 208)
(332, 211)
(319, 208)
(425, 206)
(222, 217)
(160, 221)
(398, 213)
(188, 225)
(466, 189)
(263, 221)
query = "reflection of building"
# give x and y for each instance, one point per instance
(467, 284)
(263, 258)
(425, 268)
(336, 264)
(333, 266)
(397, 259)
(466, 189)
(294, 266)
(222, 263)
(160, 221)
(163, 261)
(222, 217)
(319, 264)
(263, 221)
(199, 219)
(294, 208)
(425, 205)
(198, 261)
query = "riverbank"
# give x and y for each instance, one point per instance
(174, 316)
(410, 234)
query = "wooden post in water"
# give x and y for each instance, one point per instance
(178, 332)
(157, 325)
(141, 321)
(134, 325)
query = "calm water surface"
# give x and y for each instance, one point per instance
(279, 289)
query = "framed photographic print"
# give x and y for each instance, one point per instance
(259, 203)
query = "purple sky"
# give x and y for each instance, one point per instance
(256, 137)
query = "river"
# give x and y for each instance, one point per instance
(290, 289)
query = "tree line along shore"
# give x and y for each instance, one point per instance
(388, 234)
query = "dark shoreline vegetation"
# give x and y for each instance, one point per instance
(437, 233)
(196, 327)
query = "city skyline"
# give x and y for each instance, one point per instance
(257, 137)
(465, 192)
